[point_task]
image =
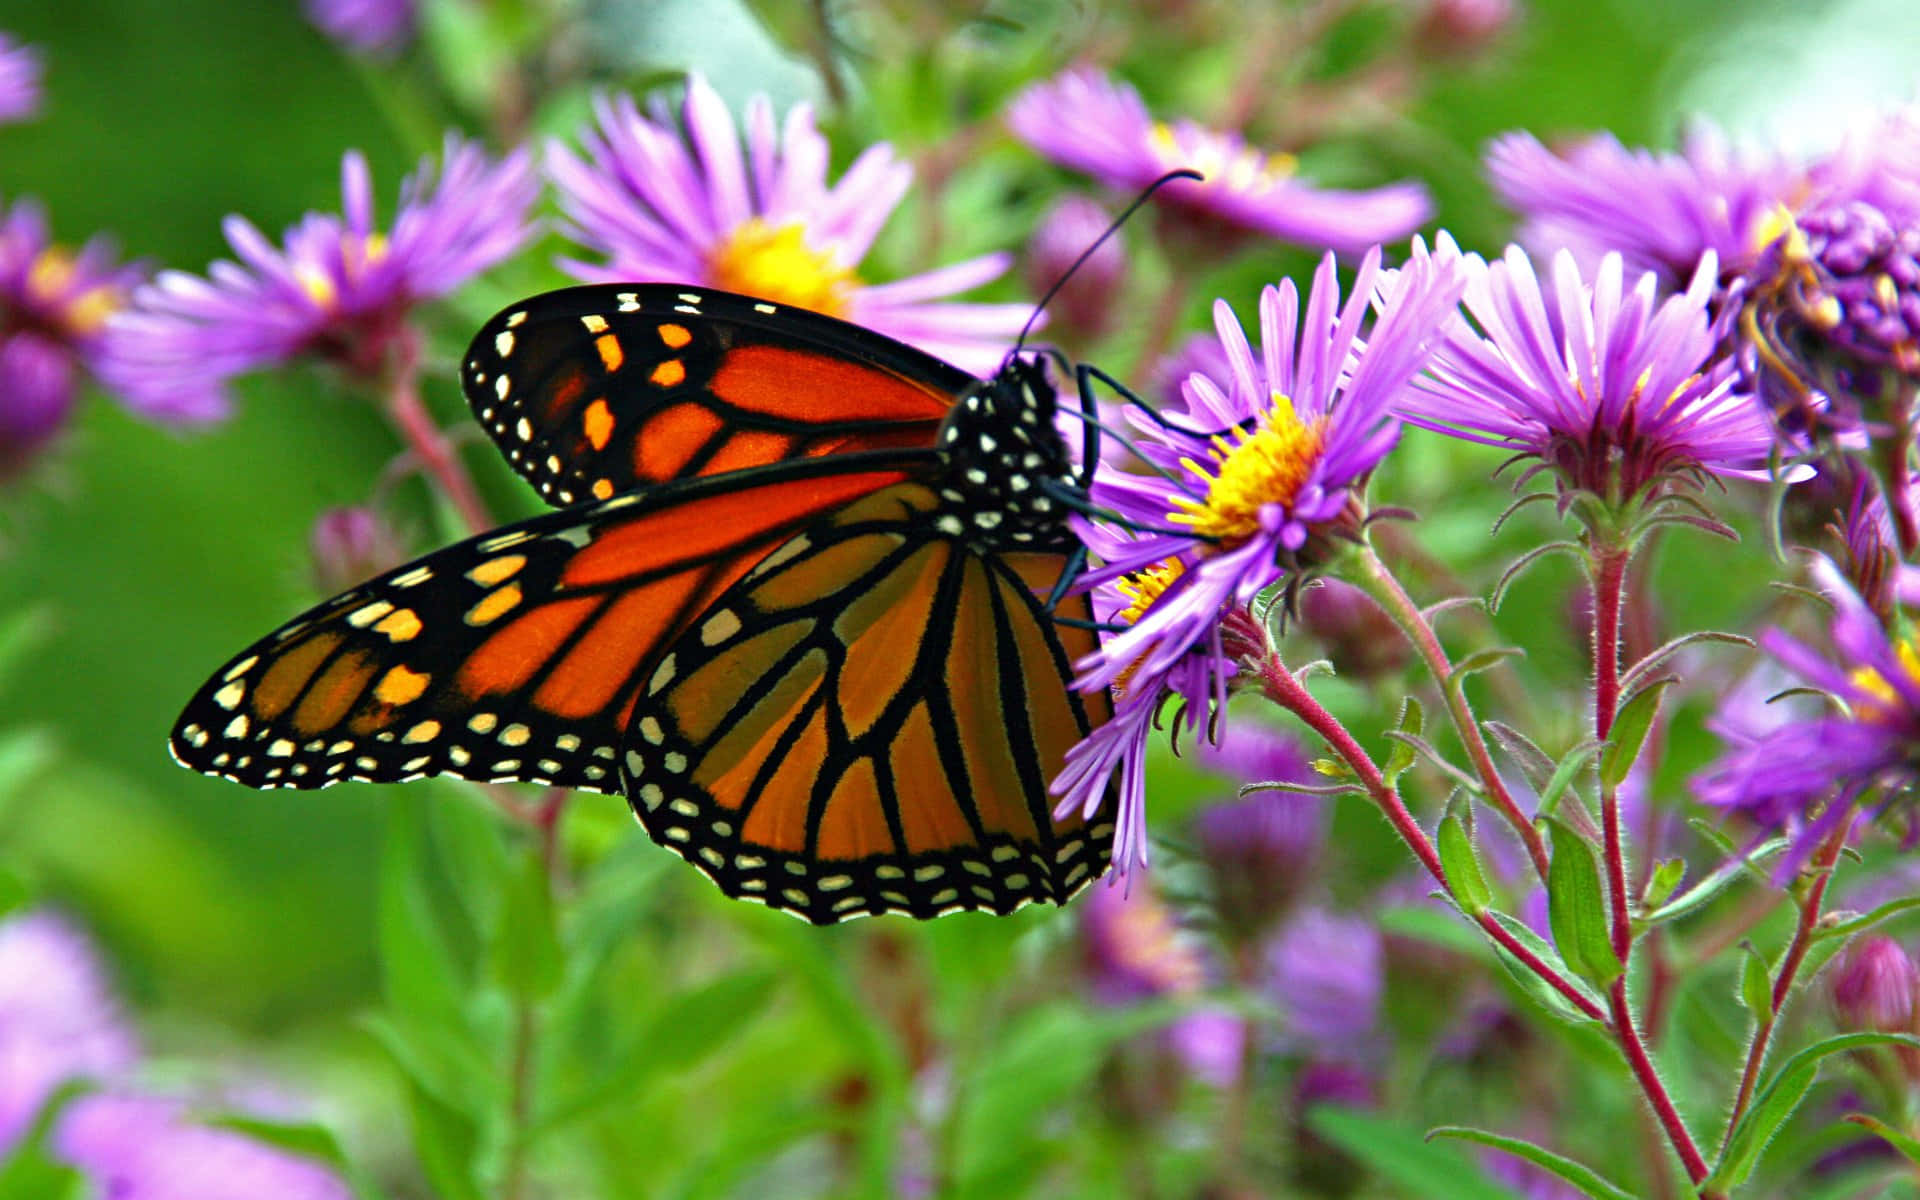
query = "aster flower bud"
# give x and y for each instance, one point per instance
(1874, 986)
(1360, 640)
(1083, 308)
(36, 396)
(1836, 303)
(19, 80)
(351, 544)
(1460, 28)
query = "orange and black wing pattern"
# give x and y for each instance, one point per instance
(598, 390)
(867, 722)
(515, 655)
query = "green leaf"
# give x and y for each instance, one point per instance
(1660, 884)
(1531, 759)
(420, 975)
(1848, 926)
(1577, 908)
(1906, 1144)
(527, 943)
(1543, 993)
(1756, 983)
(1571, 764)
(1462, 866)
(29, 1174)
(692, 1025)
(1403, 1157)
(307, 1140)
(1630, 725)
(1402, 756)
(1779, 1097)
(1585, 1178)
(1715, 883)
(447, 1143)
(439, 1060)
(1478, 661)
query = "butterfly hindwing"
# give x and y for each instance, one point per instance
(598, 390)
(867, 722)
(515, 655)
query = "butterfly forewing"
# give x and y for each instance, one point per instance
(598, 390)
(867, 722)
(516, 655)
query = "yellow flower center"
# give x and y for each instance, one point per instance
(83, 312)
(776, 263)
(1266, 466)
(1145, 586)
(1884, 703)
(356, 255)
(1226, 162)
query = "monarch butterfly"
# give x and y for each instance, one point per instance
(792, 608)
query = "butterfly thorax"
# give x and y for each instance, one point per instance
(1002, 457)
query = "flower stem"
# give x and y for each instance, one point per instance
(1609, 574)
(545, 819)
(1824, 859)
(429, 446)
(1284, 689)
(1384, 587)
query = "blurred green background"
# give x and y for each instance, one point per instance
(244, 923)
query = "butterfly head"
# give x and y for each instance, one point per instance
(1004, 455)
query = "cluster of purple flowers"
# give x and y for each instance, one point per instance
(60, 1025)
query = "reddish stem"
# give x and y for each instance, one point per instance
(1656, 1092)
(1824, 859)
(1385, 588)
(438, 460)
(1609, 579)
(1284, 689)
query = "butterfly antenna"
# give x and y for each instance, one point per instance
(1145, 195)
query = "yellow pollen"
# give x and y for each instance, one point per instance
(1266, 466)
(777, 264)
(1884, 703)
(1225, 161)
(82, 312)
(356, 255)
(1145, 586)
(1776, 223)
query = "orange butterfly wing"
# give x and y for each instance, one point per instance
(867, 722)
(515, 655)
(593, 391)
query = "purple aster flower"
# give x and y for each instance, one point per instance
(1805, 777)
(683, 201)
(1199, 353)
(375, 27)
(19, 80)
(143, 1148)
(1260, 476)
(54, 305)
(1087, 299)
(1664, 211)
(1090, 123)
(1615, 390)
(1327, 972)
(339, 290)
(58, 1019)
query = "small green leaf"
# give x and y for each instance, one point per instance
(1544, 993)
(1660, 885)
(29, 1174)
(527, 943)
(1847, 926)
(419, 971)
(1571, 764)
(309, 1141)
(447, 1144)
(1577, 908)
(1531, 759)
(1478, 661)
(1585, 1178)
(1462, 866)
(1779, 1097)
(1756, 983)
(1906, 1144)
(1402, 756)
(1402, 1157)
(1715, 883)
(1630, 725)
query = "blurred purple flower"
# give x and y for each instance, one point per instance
(1086, 121)
(1088, 299)
(1664, 211)
(54, 305)
(141, 1148)
(1258, 481)
(351, 544)
(58, 1018)
(1327, 973)
(374, 27)
(1199, 353)
(19, 80)
(1614, 389)
(1804, 777)
(341, 290)
(1462, 27)
(683, 201)
(1259, 851)
(1874, 986)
